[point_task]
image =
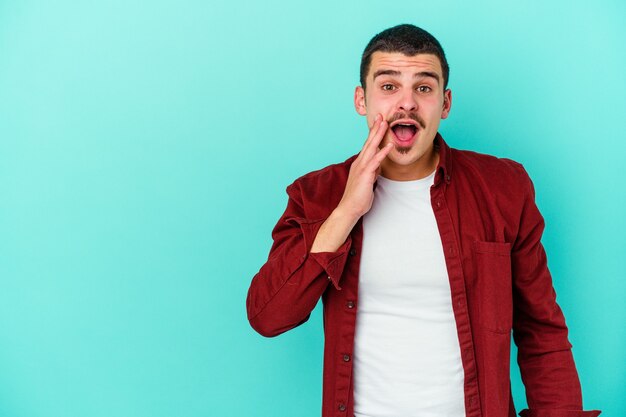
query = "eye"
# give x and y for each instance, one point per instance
(424, 89)
(387, 87)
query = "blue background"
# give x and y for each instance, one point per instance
(145, 148)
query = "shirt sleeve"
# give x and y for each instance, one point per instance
(539, 330)
(288, 286)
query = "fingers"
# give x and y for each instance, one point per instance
(375, 137)
(382, 154)
(377, 159)
(359, 192)
(373, 129)
(376, 119)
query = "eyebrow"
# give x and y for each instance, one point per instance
(416, 75)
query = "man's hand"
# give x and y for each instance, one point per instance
(358, 195)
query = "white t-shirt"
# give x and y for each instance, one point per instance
(407, 359)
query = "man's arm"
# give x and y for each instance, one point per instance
(308, 254)
(544, 352)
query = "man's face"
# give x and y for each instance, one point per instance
(408, 92)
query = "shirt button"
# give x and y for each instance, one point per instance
(346, 358)
(352, 252)
(438, 203)
(342, 407)
(329, 278)
(350, 304)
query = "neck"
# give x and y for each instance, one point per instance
(421, 168)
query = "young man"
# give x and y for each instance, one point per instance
(425, 257)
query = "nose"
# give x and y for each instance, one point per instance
(407, 101)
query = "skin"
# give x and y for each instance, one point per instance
(385, 99)
(401, 96)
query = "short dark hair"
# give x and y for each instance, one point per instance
(408, 40)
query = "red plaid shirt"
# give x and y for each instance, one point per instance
(491, 233)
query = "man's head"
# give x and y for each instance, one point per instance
(404, 77)
(407, 39)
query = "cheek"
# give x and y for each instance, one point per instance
(377, 103)
(433, 110)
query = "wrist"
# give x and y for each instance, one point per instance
(344, 215)
(334, 231)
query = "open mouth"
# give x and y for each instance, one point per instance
(404, 132)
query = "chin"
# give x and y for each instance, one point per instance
(408, 155)
(397, 157)
(403, 150)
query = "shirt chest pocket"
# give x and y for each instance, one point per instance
(492, 262)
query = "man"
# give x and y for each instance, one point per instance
(425, 257)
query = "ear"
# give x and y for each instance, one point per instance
(359, 100)
(447, 103)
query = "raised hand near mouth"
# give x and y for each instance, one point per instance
(358, 195)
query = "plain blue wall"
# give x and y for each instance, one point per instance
(145, 148)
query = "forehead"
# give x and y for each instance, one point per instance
(403, 63)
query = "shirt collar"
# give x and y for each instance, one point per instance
(444, 167)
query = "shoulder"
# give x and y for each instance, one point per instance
(322, 180)
(498, 171)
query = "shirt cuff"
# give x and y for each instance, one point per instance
(334, 262)
(558, 413)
